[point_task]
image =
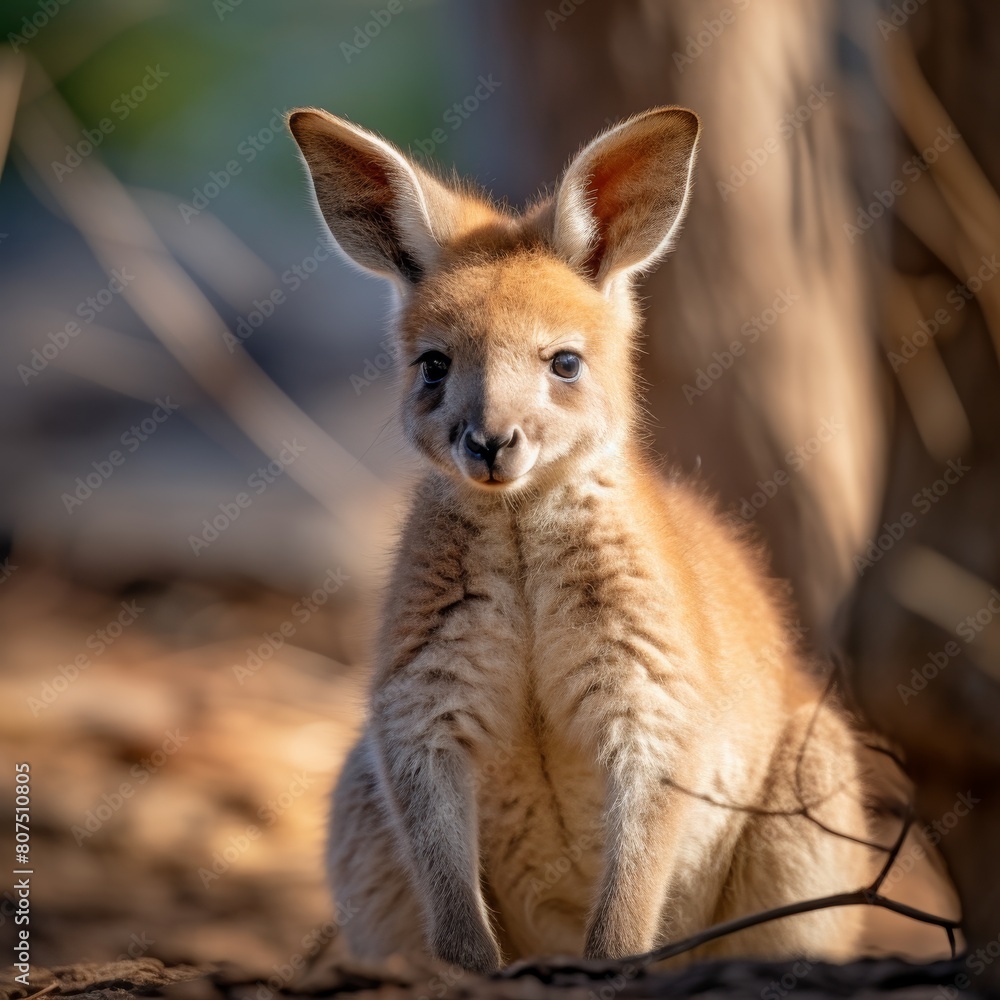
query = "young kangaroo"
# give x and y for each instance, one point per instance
(589, 732)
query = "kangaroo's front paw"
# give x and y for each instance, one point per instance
(469, 947)
(615, 936)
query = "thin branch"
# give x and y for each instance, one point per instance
(859, 897)
(891, 754)
(802, 810)
(862, 841)
(44, 991)
(894, 853)
(800, 756)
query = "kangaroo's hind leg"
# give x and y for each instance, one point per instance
(376, 907)
(785, 857)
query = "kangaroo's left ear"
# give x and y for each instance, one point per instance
(620, 203)
(385, 213)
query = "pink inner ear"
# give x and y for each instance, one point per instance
(378, 189)
(616, 187)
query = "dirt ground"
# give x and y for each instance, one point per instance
(179, 788)
(577, 981)
(180, 777)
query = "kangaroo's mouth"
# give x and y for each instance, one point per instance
(494, 481)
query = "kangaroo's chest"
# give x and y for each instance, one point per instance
(516, 623)
(524, 606)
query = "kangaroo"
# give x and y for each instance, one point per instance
(590, 730)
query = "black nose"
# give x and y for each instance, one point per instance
(487, 448)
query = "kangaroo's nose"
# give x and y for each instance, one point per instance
(478, 445)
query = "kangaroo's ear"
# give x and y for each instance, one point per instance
(385, 213)
(620, 203)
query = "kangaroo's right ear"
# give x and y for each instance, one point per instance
(622, 199)
(384, 212)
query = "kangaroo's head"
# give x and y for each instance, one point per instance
(515, 331)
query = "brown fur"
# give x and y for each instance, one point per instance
(590, 730)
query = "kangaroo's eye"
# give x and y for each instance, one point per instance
(567, 366)
(433, 366)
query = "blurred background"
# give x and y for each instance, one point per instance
(202, 474)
